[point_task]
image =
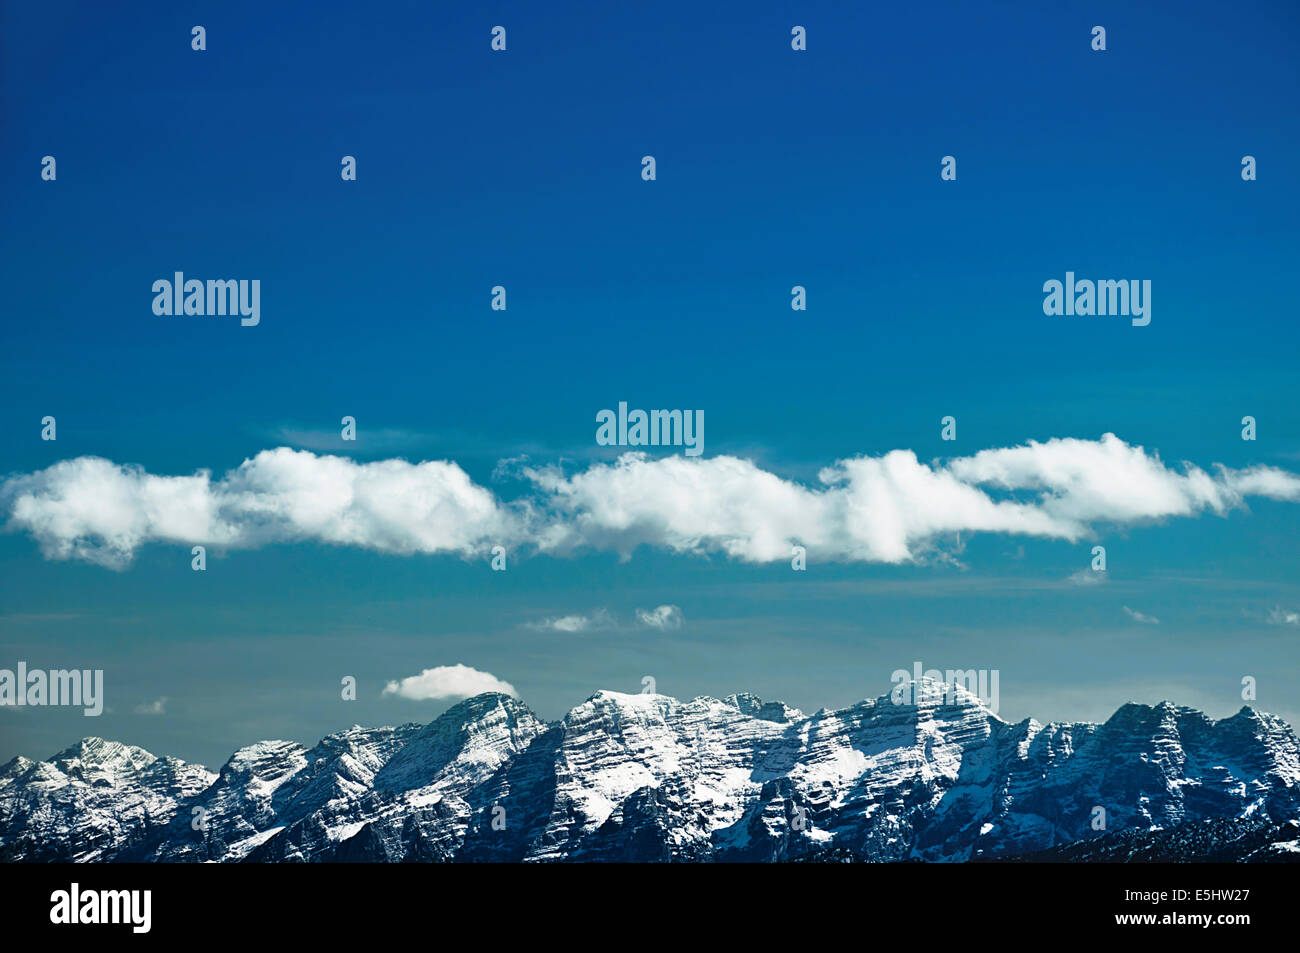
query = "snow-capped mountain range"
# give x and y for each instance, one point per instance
(651, 778)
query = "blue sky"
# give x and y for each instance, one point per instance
(775, 168)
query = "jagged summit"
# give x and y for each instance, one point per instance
(650, 777)
(750, 704)
(935, 693)
(477, 704)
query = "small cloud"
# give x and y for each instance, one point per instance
(156, 707)
(447, 681)
(567, 623)
(574, 623)
(1141, 617)
(662, 618)
(1087, 577)
(1279, 616)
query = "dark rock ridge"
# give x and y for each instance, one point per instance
(650, 778)
(1216, 840)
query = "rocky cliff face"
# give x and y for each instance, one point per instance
(651, 778)
(92, 801)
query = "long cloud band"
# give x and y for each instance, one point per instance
(891, 508)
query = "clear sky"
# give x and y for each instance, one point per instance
(522, 168)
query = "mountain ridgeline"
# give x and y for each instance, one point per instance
(650, 778)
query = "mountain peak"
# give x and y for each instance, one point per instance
(931, 693)
(750, 704)
(624, 698)
(469, 739)
(93, 755)
(476, 705)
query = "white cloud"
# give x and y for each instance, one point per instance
(661, 617)
(1087, 577)
(446, 682)
(1279, 616)
(891, 508)
(567, 623)
(156, 707)
(1264, 481)
(1141, 617)
(94, 509)
(1107, 480)
(574, 623)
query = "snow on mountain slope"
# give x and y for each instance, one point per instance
(270, 785)
(649, 777)
(92, 801)
(420, 800)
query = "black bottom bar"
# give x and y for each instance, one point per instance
(362, 902)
